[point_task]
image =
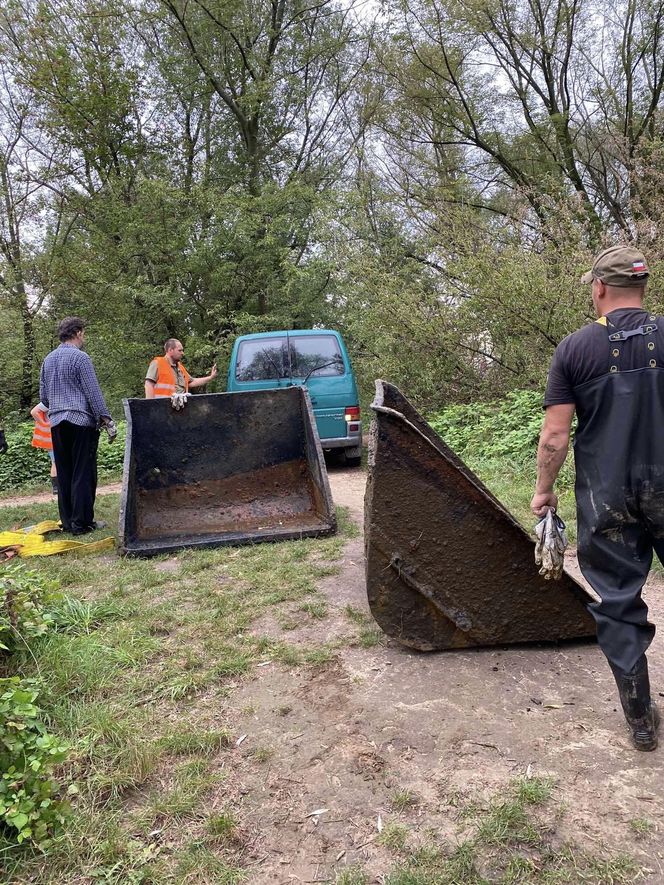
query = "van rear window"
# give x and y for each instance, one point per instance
(315, 355)
(268, 359)
(261, 359)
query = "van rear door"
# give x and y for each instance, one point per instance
(318, 361)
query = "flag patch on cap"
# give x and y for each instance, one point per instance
(639, 267)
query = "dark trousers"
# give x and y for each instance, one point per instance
(615, 550)
(75, 451)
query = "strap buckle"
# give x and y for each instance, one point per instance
(624, 334)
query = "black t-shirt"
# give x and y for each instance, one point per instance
(587, 354)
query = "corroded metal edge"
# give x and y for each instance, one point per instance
(431, 525)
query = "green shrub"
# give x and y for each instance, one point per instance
(30, 800)
(501, 432)
(502, 429)
(23, 465)
(23, 596)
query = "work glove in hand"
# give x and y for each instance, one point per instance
(179, 401)
(551, 546)
(111, 429)
(3, 442)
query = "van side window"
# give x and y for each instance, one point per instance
(261, 359)
(317, 355)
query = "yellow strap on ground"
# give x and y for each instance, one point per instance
(31, 542)
(48, 525)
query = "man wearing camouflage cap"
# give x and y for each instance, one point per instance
(611, 373)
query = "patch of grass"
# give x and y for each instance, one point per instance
(393, 837)
(262, 754)
(642, 827)
(134, 649)
(224, 827)
(315, 609)
(182, 686)
(89, 665)
(353, 875)
(326, 571)
(323, 654)
(191, 781)
(402, 799)
(81, 616)
(429, 864)
(127, 768)
(198, 865)
(507, 823)
(533, 790)
(369, 637)
(280, 651)
(346, 526)
(509, 847)
(190, 742)
(356, 616)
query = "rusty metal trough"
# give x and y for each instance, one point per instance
(447, 565)
(229, 468)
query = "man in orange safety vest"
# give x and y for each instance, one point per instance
(166, 375)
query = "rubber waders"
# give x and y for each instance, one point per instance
(641, 714)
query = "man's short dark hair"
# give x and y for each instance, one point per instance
(169, 343)
(70, 327)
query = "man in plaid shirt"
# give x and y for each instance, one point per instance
(69, 389)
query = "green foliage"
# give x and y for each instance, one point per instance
(500, 432)
(507, 429)
(30, 798)
(23, 596)
(498, 441)
(23, 465)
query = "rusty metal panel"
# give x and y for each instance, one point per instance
(447, 565)
(229, 468)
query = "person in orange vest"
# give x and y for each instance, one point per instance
(41, 439)
(166, 375)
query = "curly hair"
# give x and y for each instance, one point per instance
(70, 327)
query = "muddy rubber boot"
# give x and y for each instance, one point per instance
(641, 714)
(54, 485)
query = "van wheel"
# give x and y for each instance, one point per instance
(353, 456)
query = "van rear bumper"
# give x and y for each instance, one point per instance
(343, 442)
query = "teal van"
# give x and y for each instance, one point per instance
(316, 358)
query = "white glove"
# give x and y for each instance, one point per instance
(111, 429)
(179, 401)
(551, 546)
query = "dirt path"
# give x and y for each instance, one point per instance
(113, 488)
(446, 728)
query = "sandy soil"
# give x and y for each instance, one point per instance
(447, 727)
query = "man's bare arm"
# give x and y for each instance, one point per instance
(149, 388)
(199, 382)
(551, 454)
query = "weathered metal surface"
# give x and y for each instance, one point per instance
(447, 565)
(229, 468)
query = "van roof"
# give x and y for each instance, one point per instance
(291, 332)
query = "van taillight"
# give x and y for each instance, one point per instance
(352, 413)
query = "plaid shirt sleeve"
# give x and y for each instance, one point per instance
(92, 390)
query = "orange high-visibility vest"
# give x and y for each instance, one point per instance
(166, 376)
(41, 435)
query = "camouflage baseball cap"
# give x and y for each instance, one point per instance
(619, 266)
